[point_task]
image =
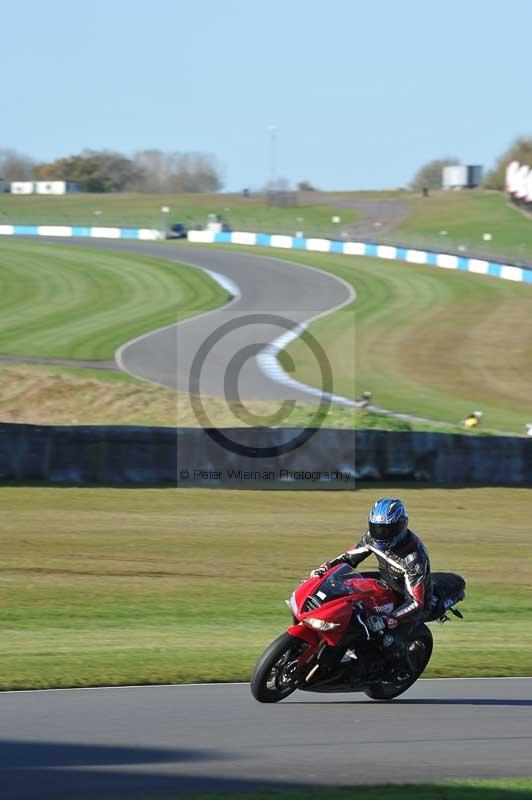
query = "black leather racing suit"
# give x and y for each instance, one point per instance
(405, 568)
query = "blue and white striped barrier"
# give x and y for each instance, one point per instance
(146, 234)
(494, 269)
(479, 266)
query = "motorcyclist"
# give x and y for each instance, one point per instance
(402, 558)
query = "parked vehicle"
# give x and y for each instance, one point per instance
(177, 231)
(339, 641)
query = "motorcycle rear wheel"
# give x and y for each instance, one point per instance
(276, 673)
(419, 652)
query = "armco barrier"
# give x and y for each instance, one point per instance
(445, 260)
(189, 457)
(66, 231)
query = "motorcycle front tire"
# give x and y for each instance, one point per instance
(269, 682)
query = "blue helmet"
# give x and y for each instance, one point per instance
(387, 523)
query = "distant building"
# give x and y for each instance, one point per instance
(462, 176)
(56, 187)
(44, 187)
(21, 187)
(4, 186)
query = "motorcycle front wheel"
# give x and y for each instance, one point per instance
(276, 673)
(417, 656)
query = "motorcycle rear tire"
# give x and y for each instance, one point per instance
(264, 672)
(388, 691)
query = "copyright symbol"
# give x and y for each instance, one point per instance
(184, 474)
(294, 439)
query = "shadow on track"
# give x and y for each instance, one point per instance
(438, 701)
(61, 771)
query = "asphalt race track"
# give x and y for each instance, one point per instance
(267, 285)
(163, 740)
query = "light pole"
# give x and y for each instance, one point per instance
(272, 130)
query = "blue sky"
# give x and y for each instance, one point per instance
(361, 93)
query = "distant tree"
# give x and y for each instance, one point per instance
(429, 176)
(15, 166)
(148, 171)
(177, 173)
(197, 173)
(520, 150)
(79, 168)
(94, 170)
(119, 172)
(155, 170)
(305, 186)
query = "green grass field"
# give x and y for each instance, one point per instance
(144, 211)
(519, 789)
(116, 586)
(463, 217)
(59, 303)
(430, 342)
(466, 217)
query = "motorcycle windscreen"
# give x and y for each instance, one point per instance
(343, 581)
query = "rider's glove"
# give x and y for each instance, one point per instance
(320, 571)
(390, 622)
(379, 622)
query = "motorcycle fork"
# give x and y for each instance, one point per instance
(315, 657)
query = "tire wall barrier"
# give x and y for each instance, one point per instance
(479, 266)
(494, 269)
(67, 231)
(331, 458)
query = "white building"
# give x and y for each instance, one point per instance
(21, 187)
(461, 176)
(56, 187)
(44, 187)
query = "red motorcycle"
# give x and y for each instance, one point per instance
(339, 641)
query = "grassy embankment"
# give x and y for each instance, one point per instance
(144, 211)
(432, 342)
(429, 342)
(56, 302)
(466, 217)
(454, 220)
(110, 586)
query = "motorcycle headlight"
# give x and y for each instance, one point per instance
(320, 624)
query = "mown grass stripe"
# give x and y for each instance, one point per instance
(57, 302)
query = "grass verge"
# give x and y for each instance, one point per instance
(121, 586)
(517, 789)
(47, 395)
(429, 342)
(144, 211)
(465, 217)
(59, 302)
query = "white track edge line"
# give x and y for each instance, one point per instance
(234, 291)
(267, 359)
